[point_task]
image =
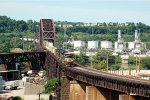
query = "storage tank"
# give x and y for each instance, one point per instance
(79, 44)
(92, 44)
(106, 45)
(131, 45)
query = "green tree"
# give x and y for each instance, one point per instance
(32, 26)
(103, 64)
(17, 98)
(145, 63)
(117, 59)
(51, 85)
(132, 60)
(116, 66)
(81, 58)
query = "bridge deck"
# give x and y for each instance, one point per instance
(128, 85)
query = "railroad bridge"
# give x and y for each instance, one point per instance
(80, 83)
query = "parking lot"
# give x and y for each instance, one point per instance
(27, 91)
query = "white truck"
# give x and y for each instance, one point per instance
(10, 79)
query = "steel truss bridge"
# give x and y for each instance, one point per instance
(36, 58)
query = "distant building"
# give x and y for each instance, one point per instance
(27, 39)
(87, 24)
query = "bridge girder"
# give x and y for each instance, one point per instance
(33, 57)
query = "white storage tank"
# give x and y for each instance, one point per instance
(106, 45)
(131, 45)
(79, 44)
(92, 44)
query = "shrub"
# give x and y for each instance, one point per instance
(50, 85)
(17, 98)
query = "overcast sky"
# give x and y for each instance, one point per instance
(78, 10)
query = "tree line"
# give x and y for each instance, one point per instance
(8, 25)
(77, 31)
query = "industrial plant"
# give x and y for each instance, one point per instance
(120, 47)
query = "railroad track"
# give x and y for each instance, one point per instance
(98, 72)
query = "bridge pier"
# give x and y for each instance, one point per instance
(65, 88)
(93, 93)
(125, 97)
(77, 91)
(81, 91)
(132, 97)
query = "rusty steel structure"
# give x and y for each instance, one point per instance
(47, 31)
(37, 41)
(36, 58)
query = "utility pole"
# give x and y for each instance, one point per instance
(92, 30)
(65, 38)
(100, 63)
(106, 59)
(136, 64)
(139, 62)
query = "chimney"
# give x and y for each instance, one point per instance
(119, 35)
(136, 35)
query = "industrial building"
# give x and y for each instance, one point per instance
(136, 46)
(120, 45)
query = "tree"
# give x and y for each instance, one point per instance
(116, 66)
(103, 64)
(145, 63)
(51, 85)
(32, 26)
(21, 26)
(81, 58)
(132, 60)
(17, 98)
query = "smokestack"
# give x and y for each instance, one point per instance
(136, 35)
(119, 35)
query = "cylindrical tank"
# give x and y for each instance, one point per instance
(106, 45)
(131, 45)
(79, 44)
(92, 44)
